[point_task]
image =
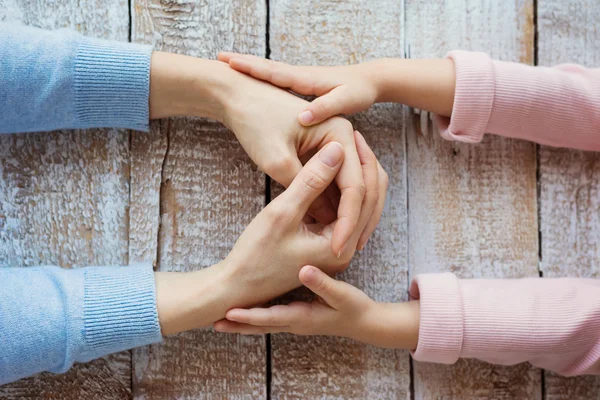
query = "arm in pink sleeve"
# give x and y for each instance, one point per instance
(557, 106)
(552, 323)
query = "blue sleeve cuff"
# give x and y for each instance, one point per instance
(112, 84)
(119, 309)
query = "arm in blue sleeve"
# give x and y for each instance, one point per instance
(61, 80)
(52, 317)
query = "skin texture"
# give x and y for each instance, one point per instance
(424, 84)
(266, 259)
(340, 310)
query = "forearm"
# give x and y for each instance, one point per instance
(424, 84)
(61, 80)
(392, 325)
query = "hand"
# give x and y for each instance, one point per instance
(342, 310)
(267, 257)
(263, 119)
(342, 90)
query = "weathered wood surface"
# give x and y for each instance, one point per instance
(569, 179)
(331, 33)
(209, 191)
(64, 198)
(472, 208)
(180, 195)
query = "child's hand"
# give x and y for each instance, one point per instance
(342, 90)
(342, 310)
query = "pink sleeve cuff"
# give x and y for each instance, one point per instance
(557, 106)
(473, 98)
(441, 317)
(552, 323)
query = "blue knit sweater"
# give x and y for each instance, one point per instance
(51, 317)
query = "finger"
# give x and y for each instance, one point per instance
(298, 79)
(225, 326)
(370, 167)
(375, 218)
(313, 179)
(279, 315)
(352, 191)
(225, 56)
(335, 293)
(285, 171)
(337, 101)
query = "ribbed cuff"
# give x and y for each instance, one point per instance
(441, 317)
(112, 84)
(119, 309)
(473, 98)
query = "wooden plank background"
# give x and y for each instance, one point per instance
(503, 208)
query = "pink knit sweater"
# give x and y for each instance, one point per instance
(552, 323)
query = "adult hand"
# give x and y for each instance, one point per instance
(269, 254)
(263, 119)
(267, 257)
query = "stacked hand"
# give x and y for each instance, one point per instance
(267, 257)
(329, 209)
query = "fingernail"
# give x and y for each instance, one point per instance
(306, 117)
(342, 250)
(360, 136)
(309, 275)
(331, 154)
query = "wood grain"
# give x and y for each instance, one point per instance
(64, 198)
(569, 179)
(201, 191)
(330, 33)
(472, 208)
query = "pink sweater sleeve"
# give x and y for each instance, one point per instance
(557, 106)
(552, 323)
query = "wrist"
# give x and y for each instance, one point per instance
(192, 300)
(393, 325)
(188, 86)
(381, 75)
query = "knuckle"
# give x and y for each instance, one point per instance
(313, 180)
(283, 163)
(361, 188)
(323, 285)
(343, 124)
(322, 107)
(277, 212)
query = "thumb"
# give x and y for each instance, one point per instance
(314, 178)
(332, 291)
(336, 102)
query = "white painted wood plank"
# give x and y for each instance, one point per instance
(569, 183)
(209, 192)
(337, 33)
(472, 208)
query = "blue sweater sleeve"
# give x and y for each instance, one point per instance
(52, 317)
(61, 80)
